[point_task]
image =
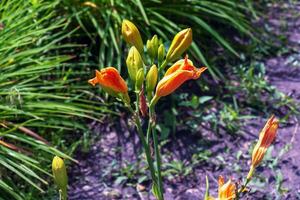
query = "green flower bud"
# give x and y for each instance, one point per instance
(161, 53)
(139, 79)
(180, 43)
(134, 62)
(155, 44)
(151, 78)
(132, 35)
(150, 49)
(60, 175)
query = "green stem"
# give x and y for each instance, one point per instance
(63, 194)
(156, 150)
(249, 176)
(144, 143)
(149, 132)
(163, 65)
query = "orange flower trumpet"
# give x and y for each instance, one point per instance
(111, 81)
(266, 137)
(176, 75)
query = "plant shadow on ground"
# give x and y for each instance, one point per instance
(114, 167)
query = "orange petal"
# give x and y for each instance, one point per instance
(110, 78)
(171, 82)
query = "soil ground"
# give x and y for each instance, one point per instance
(94, 177)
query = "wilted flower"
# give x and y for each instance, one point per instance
(266, 137)
(176, 75)
(132, 35)
(180, 43)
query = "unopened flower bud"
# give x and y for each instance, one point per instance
(139, 79)
(150, 49)
(132, 35)
(151, 78)
(60, 175)
(161, 53)
(180, 43)
(134, 62)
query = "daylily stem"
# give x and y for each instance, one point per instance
(144, 143)
(156, 150)
(163, 65)
(249, 176)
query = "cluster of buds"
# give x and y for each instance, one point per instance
(229, 190)
(111, 81)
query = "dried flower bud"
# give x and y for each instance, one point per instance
(142, 103)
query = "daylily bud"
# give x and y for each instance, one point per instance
(134, 62)
(152, 46)
(151, 78)
(180, 43)
(155, 43)
(161, 53)
(150, 49)
(139, 79)
(132, 35)
(266, 137)
(60, 175)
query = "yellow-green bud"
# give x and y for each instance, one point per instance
(132, 35)
(134, 62)
(155, 44)
(139, 79)
(161, 53)
(150, 49)
(152, 46)
(180, 43)
(151, 78)
(60, 175)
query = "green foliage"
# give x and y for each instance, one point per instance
(101, 22)
(38, 94)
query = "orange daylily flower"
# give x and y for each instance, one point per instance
(266, 137)
(110, 79)
(226, 190)
(176, 75)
